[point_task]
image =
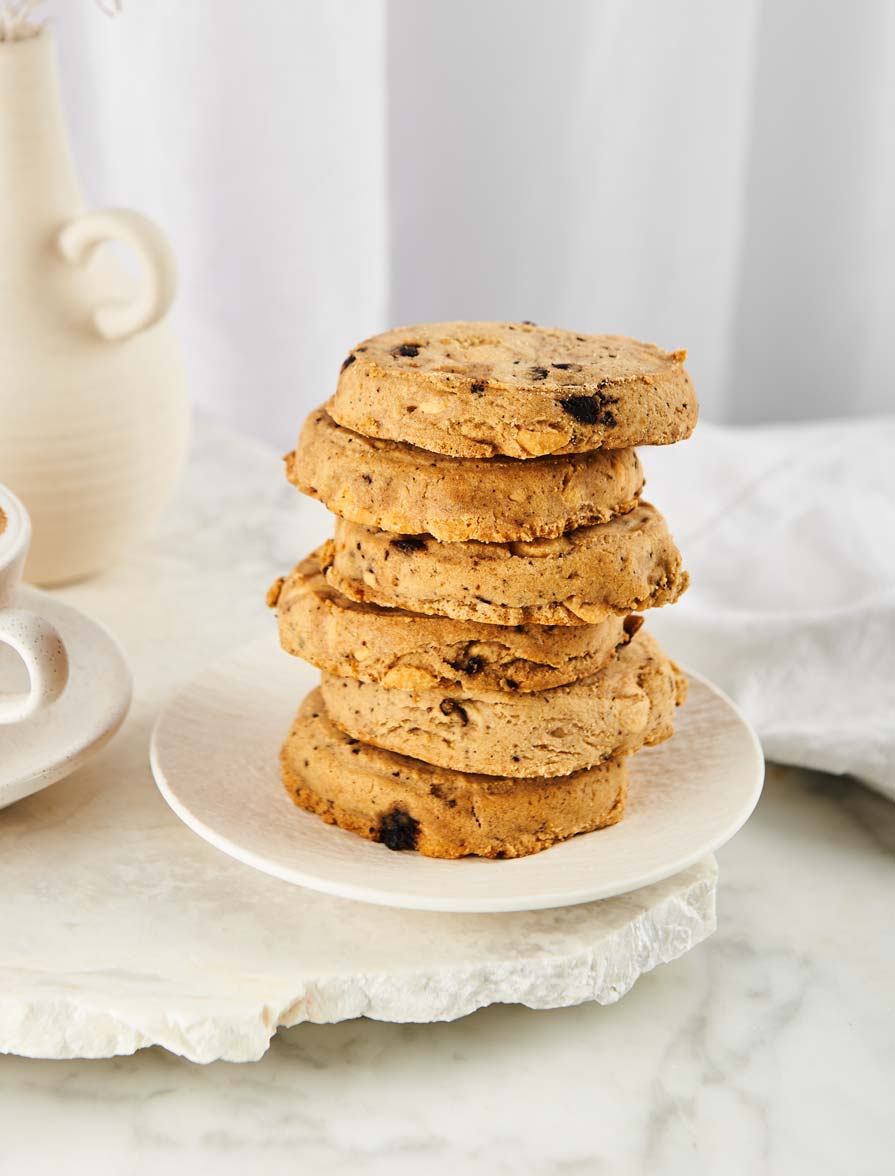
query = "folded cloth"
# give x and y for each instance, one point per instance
(788, 532)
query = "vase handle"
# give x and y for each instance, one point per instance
(77, 241)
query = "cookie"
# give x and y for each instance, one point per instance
(406, 804)
(409, 651)
(623, 566)
(628, 704)
(397, 487)
(483, 389)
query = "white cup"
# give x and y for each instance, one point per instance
(35, 640)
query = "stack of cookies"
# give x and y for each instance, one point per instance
(486, 676)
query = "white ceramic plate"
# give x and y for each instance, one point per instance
(214, 755)
(53, 743)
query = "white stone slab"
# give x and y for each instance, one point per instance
(121, 929)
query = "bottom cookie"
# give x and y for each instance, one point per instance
(408, 804)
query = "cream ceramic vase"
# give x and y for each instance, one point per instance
(93, 403)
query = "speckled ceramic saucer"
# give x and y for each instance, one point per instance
(54, 742)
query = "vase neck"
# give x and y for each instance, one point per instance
(39, 184)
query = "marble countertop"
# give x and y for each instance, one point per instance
(767, 1049)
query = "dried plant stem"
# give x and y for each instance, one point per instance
(15, 23)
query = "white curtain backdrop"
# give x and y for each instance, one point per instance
(713, 175)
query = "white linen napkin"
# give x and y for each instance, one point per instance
(788, 532)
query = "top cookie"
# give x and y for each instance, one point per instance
(513, 389)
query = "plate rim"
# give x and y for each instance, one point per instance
(406, 900)
(56, 768)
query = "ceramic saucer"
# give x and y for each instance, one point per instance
(214, 755)
(53, 743)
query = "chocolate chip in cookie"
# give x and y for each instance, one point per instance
(590, 410)
(584, 409)
(398, 830)
(469, 665)
(408, 544)
(450, 706)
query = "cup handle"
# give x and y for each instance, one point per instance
(40, 647)
(81, 236)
